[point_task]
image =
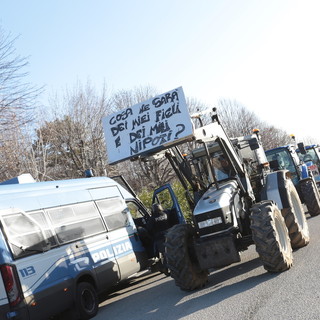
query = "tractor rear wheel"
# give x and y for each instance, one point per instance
(311, 197)
(295, 217)
(271, 237)
(181, 258)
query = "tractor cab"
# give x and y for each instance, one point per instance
(302, 174)
(311, 157)
(286, 158)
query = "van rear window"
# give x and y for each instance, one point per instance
(24, 234)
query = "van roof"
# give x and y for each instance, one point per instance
(27, 195)
(50, 185)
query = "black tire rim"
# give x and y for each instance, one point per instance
(88, 301)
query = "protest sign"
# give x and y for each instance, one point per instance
(147, 127)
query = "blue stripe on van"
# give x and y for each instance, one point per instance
(87, 259)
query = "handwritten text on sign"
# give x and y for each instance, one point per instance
(148, 126)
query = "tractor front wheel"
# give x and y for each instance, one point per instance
(181, 258)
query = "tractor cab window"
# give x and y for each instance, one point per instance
(310, 156)
(284, 162)
(220, 164)
(283, 158)
(222, 167)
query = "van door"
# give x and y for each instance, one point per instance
(169, 202)
(123, 236)
(140, 217)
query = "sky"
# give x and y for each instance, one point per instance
(265, 54)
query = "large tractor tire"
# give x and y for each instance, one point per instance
(295, 217)
(271, 237)
(181, 258)
(310, 195)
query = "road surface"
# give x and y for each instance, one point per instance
(241, 291)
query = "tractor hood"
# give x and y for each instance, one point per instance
(214, 199)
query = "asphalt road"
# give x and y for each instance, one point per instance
(241, 291)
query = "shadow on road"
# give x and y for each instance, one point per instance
(129, 285)
(166, 301)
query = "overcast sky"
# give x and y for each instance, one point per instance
(263, 53)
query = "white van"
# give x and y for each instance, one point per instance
(64, 242)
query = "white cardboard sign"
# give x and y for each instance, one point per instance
(147, 127)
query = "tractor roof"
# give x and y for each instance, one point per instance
(288, 146)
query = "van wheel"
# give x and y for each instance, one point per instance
(86, 301)
(295, 217)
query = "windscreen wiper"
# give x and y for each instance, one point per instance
(28, 249)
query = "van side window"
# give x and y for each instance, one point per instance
(135, 210)
(114, 212)
(24, 234)
(139, 216)
(41, 219)
(76, 221)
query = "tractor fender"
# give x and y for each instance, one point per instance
(275, 188)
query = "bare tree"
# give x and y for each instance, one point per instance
(195, 105)
(17, 97)
(126, 98)
(308, 140)
(73, 141)
(15, 149)
(273, 137)
(238, 120)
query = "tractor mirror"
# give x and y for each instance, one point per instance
(301, 148)
(253, 143)
(274, 165)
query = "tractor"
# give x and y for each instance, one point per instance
(237, 201)
(286, 157)
(310, 155)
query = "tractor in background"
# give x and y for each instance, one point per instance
(310, 155)
(286, 158)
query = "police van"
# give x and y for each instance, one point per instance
(64, 242)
